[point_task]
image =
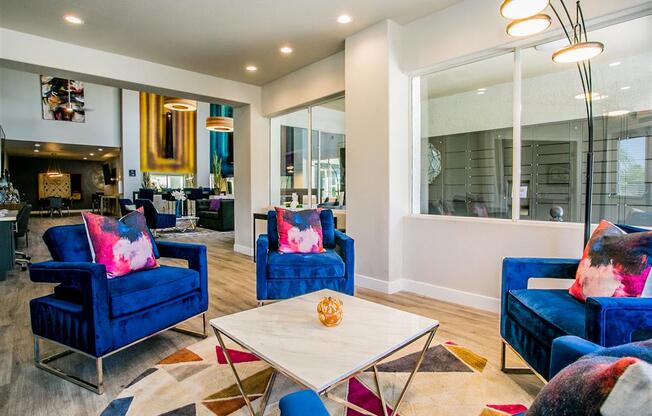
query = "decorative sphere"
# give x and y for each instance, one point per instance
(329, 311)
(557, 213)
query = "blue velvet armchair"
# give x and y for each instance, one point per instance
(95, 316)
(156, 220)
(531, 319)
(282, 276)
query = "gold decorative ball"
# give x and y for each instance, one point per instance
(330, 311)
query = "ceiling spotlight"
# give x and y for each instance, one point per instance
(251, 68)
(529, 25)
(616, 113)
(71, 18)
(99, 149)
(595, 96)
(36, 150)
(625, 88)
(37, 145)
(286, 50)
(615, 63)
(85, 158)
(344, 19)
(482, 89)
(519, 9)
(91, 154)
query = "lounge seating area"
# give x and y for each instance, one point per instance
(410, 208)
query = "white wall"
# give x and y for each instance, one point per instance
(376, 152)
(21, 116)
(131, 142)
(202, 177)
(310, 83)
(21, 50)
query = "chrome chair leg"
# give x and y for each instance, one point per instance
(43, 364)
(510, 370)
(202, 334)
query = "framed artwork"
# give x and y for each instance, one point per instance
(62, 99)
(54, 186)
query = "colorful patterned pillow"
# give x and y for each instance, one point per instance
(614, 264)
(122, 246)
(598, 385)
(214, 204)
(299, 231)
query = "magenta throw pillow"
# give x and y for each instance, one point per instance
(122, 246)
(299, 231)
(614, 264)
(214, 204)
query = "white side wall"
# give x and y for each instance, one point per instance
(203, 146)
(21, 116)
(313, 82)
(131, 142)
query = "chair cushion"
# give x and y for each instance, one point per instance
(614, 264)
(302, 403)
(122, 246)
(146, 288)
(547, 313)
(68, 243)
(299, 231)
(305, 266)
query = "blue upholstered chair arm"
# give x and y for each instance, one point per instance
(262, 248)
(614, 321)
(517, 272)
(568, 349)
(90, 279)
(345, 248)
(166, 220)
(195, 254)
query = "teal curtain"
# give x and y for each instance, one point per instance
(222, 143)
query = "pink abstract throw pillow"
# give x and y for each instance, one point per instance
(122, 246)
(614, 264)
(299, 231)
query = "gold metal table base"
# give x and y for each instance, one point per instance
(328, 391)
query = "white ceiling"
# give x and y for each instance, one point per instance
(216, 37)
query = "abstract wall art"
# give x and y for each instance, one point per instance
(177, 154)
(62, 99)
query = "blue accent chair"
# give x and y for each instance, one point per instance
(95, 316)
(156, 220)
(302, 403)
(123, 202)
(531, 319)
(568, 349)
(282, 276)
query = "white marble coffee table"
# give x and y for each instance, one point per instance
(289, 337)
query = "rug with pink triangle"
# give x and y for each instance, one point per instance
(197, 380)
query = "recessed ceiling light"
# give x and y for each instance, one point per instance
(71, 18)
(85, 158)
(36, 150)
(99, 149)
(482, 89)
(344, 19)
(251, 68)
(626, 87)
(37, 145)
(617, 113)
(91, 154)
(481, 92)
(286, 50)
(615, 63)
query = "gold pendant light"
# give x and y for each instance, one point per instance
(577, 52)
(529, 25)
(53, 169)
(179, 104)
(520, 9)
(219, 124)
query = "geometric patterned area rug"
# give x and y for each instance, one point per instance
(197, 380)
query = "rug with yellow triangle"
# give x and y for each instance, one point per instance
(197, 380)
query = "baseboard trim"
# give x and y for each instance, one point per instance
(378, 285)
(445, 294)
(247, 251)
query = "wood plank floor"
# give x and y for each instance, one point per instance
(25, 390)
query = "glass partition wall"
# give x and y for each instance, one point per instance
(311, 167)
(467, 152)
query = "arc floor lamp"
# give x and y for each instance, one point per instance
(528, 18)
